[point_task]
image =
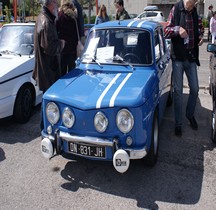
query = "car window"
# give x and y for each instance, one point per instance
(151, 14)
(133, 46)
(17, 39)
(159, 44)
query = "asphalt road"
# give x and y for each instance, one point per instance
(184, 177)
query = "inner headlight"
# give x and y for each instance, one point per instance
(52, 113)
(124, 121)
(68, 118)
(100, 122)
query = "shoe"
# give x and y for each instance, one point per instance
(178, 131)
(193, 123)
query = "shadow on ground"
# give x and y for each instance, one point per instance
(177, 177)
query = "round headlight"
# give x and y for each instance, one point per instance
(52, 113)
(100, 122)
(68, 118)
(124, 121)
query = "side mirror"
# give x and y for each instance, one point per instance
(211, 48)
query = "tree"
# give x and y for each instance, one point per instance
(88, 4)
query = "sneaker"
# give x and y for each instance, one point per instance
(193, 123)
(178, 131)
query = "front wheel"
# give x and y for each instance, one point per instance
(213, 125)
(23, 104)
(152, 155)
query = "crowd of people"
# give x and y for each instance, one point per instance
(57, 32)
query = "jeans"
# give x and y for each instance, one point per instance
(190, 69)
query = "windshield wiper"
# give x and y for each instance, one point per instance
(93, 59)
(119, 58)
(8, 52)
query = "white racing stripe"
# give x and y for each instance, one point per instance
(98, 104)
(112, 101)
(130, 24)
(140, 24)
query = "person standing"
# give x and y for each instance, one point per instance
(121, 13)
(47, 46)
(67, 30)
(185, 30)
(209, 16)
(213, 27)
(80, 20)
(102, 15)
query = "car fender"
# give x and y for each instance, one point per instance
(23, 80)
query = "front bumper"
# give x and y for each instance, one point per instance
(63, 136)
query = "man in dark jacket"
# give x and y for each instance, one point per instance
(121, 13)
(185, 30)
(47, 46)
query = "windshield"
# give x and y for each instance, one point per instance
(119, 46)
(17, 39)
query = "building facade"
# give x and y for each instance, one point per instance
(137, 6)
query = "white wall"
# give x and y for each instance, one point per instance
(132, 6)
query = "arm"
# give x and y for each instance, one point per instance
(171, 30)
(201, 31)
(210, 25)
(49, 40)
(96, 20)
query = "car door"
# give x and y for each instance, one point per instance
(164, 69)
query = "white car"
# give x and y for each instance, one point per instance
(152, 15)
(18, 90)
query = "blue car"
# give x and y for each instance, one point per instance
(111, 105)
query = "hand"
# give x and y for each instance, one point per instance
(82, 39)
(183, 33)
(62, 43)
(201, 41)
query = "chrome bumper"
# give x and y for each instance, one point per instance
(133, 154)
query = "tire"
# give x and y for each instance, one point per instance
(23, 104)
(152, 155)
(214, 125)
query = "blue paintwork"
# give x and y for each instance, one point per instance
(144, 93)
(85, 96)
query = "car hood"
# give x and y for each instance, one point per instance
(89, 90)
(13, 66)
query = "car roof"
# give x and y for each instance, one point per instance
(19, 24)
(151, 8)
(131, 23)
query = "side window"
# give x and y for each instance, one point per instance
(162, 42)
(159, 44)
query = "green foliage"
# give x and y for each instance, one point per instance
(92, 20)
(205, 23)
(8, 14)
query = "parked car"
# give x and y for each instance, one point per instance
(212, 86)
(111, 105)
(151, 8)
(19, 92)
(133, 16)
(152, 14)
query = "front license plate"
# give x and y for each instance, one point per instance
(86, 150)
